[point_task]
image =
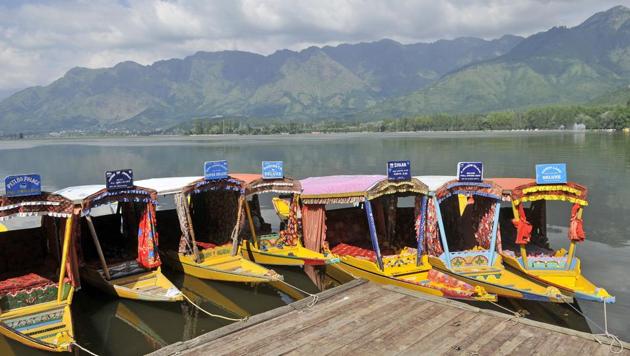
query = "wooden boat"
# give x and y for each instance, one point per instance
(464, 240)
(35, 293)
(200, 230)
(360, 219)
(119, 244)
(285, 246)
(526, 246)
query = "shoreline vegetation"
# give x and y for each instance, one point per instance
(549, 118)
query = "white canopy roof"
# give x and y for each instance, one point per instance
(435, 182)
(80, 192)
(168, 185)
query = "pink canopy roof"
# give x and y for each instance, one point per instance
(331, 186)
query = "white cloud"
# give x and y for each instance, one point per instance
(41, 40)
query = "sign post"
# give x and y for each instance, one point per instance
(214, 170)
(120, 179)
(470, 172)
(553, 173)
(272, 170)
(398, 170)
(23, 185)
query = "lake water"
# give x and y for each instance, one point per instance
(601, 161)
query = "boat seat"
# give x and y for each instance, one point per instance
(209, 245)
(356, 251)
(19, 283)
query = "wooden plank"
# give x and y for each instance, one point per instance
(337, 327)
(441, 339)
(254, 320)
(338, 336)
(291, 324)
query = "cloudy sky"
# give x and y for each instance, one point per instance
(41, 40)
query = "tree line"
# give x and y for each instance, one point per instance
(548, 117)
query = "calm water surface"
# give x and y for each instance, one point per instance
(601, 161)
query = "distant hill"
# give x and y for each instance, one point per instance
(365, 80)
(310, 84)
(561, 65)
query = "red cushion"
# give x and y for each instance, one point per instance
(349, 250)
(27, 281)
(206, 245)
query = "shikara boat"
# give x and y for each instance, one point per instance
(200, 231)
(38, 272)
(285, 246)
(526, 246)
(363, 220)
(465, 242)
(119, 242)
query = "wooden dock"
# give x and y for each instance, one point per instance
(366, 318)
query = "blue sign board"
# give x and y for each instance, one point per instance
(121, 179)
(23, 185)
(554, 173)
(213, 170)
(272, 170)
(398, 170)
(470, 171)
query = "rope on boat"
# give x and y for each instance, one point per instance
(314, 296)
(74, 343)
(615, 345)
(211, 314)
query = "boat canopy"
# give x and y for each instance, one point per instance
(570, 192)
(435, 182)
(46, 203)
(487, 189)
(354, 188)
(90, 196)
(286, 185)
(169, 185)
(197, 184)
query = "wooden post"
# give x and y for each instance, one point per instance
(251, 223)
(373, 235)
(438, 214)
(99, 251)
(67, 235)
(495, 227)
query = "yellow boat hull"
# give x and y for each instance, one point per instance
(219, 266)
(285, 256)
(570, 282)
(148, 286)
(46, 326)
(410, 277)
(498, 280)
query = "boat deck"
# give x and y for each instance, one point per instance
(367, 318)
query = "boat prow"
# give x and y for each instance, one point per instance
(149, 285)
(569, 281)
(46, 326)
(497, 279)
(218, 264)
(297, 255)
(421, 278)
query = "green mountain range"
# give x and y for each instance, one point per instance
(350, 81)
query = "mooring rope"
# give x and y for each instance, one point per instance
(314, 296)
(515, 315)
(615, 341)
(212, 314)
(74, 343)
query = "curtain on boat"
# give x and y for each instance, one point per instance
(433, 246)
(576, 226)
(186, 245)
(290, 234)
(148, 256)
(314, 226)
